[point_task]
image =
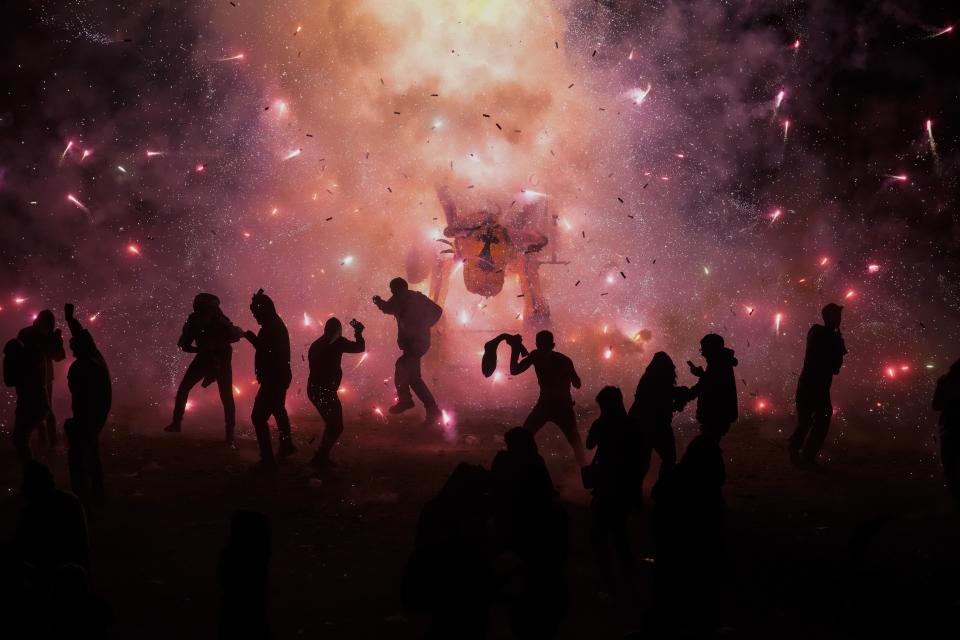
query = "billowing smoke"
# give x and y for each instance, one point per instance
(298, 146)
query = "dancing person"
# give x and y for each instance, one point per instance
(272, 367)
(716, 391)
(90, 389)
(822, 361)
(946, 400)
(555, 375)
(655, 401)
(208, 333)
(415, 314)
(610, 477)
(326, 373)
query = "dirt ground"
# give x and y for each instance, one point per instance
(796, 566)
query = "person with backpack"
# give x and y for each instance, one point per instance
(28, 366)
(208, 333)
(415, 314)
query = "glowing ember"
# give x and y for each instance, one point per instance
(133, 249)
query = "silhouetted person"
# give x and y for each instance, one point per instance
(716, 391)
(611, 477)
(90, 390)
(415, 314)
(53, 529)
(555, 375)
(946, 400)
(271, 364)
(244, 578)
(28, 366)
(531, 536)
(448, 575)
(208, 333)
(14, 612)
(655, 401)
(77, 613)
(822, 361)
(326, 374)
(688, 531)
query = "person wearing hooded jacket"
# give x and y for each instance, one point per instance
(271, 364)
(716, 391)
(208, 333)
(326, 373)
(90, 389)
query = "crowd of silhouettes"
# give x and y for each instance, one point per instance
(489, 538)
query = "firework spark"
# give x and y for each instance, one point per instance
(72, 198)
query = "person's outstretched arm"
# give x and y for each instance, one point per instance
(72, 322)
(388, 307)
(252, 338)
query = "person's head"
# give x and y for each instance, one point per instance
(521, 442)
(661, 370)
(398, 286)
(610, 401)
(205, 303)
(468, 483)
(545, 340)
(262, 307)
(332, 330)
(250, 531)
(37, 480)
(45, 321)
(711, 345)
(82, 345)
(831, 315)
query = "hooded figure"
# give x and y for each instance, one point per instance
(326, 373)
(90, 388)
(271, 363)
(34, 351)
(716, 391)
(208, 333)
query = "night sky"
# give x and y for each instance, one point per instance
(741, 164)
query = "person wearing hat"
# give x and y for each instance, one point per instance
(823, 359)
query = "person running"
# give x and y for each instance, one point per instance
(326, 374)
(415, 314)
(555, 375)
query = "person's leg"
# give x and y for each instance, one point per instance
(193, 375)
(950, 458)
(599, 540)
(262, 409)
(95, 468)
(620, 534)
(78, 459)
(283, 421)
(415, 378)
(665, 444)
(819, 426)
(566, 419)
(401, 379)
(536, 419)
(225, 387)
(50, 420)
(332, 412)
(804, 422)
(26, 419)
